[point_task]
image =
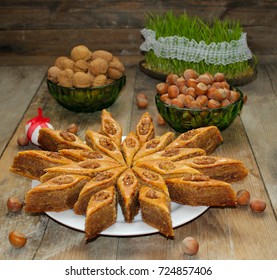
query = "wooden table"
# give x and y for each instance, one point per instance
(223, 233)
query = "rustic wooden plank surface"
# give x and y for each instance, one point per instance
(17, 88)
(229, 233)
(63, 24)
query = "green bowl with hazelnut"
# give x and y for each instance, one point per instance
(184, 119)
(87, 99)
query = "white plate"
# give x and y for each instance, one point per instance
(180, 215)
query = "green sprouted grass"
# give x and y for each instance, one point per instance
(194, 28)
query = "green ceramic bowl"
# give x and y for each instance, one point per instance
(87, 99)
(184, 119)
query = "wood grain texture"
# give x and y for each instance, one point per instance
(64, 24)
(223, 233)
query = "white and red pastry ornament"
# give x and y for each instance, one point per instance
(34, 125)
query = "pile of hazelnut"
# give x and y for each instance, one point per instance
(85, 68)
(195, 91)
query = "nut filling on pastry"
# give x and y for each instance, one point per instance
(152, 144)
(101, 196)
(128, 180)
(110, 127)
(167, 165)
(170, 152)
(152, 194)
(67, 136)
(130, 143)
(151, 176)
(103, 176)
(144, 127)
(107, 143)
(89, 164)
(61, 180)
(204, 160)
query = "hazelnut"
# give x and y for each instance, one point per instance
(142, 102)
(22, 140)
(191, 83)
(177, 102)
(219, 77)
(195, 105)
(164, 97)
(181, 97)
(225, 102)
(160, 120)
(203, 100)
(173, 91)
(243, 197)
(72, 128)
(234, 96)
(14, 204)
(141, 94)
(201, 88)
(212, 103)
(180, 82)
(204, 78)
(191, 91)
(189, 74)
(183, 89)
(190, 246)
(257, 205)
(162, 88)
(171, 79)
(187, 100)
(17, 239)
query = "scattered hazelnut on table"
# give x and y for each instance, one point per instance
(22, 140)
(257, 205)
(243, 197)
(142, 102)
(17, 239)
(190, 246)
(72, 128)
(14, 204)
(160, 120)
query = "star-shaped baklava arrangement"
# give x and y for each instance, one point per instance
(141, 172)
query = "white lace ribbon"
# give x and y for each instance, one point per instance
(182, 48)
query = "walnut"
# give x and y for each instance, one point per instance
(64, 79)
(81, 80)
(102, 54)
(52, 74)
(170, 152)
(107, 143)
(54, 155)
(80, 66)
(80, 52)
(110, 127)
(204, 160)
(130, 143)
(64, 62)
(151, 175)
(152, 194)
(89, 164)
(166, 165)
(60, 180)
(152, 144)
(144, 127)
(99, 80)
(98, 66)
(128, 179)
(116, 69)
(104, 175)
(67, 136)
(101, 196)
(92, 154)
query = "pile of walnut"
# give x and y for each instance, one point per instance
(85, 68)
(195, 91)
